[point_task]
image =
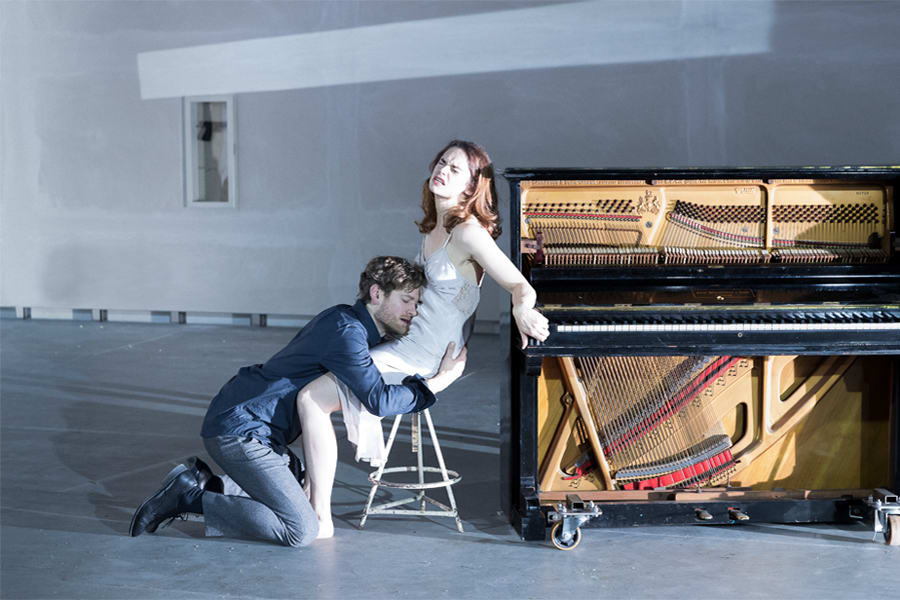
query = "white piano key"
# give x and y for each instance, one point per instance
(725, 327)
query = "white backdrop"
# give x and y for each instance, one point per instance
(92, 211)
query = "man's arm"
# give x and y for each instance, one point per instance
(348, 358)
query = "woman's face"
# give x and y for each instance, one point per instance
(450, 175)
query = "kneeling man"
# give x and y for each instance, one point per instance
(254, 417)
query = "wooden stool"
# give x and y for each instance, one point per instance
(448, 478)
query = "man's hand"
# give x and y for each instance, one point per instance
(450, 369)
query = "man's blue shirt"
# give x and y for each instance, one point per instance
(260, 401)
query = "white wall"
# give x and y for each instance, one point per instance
(92, 211)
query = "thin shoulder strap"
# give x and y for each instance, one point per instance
(447, 241)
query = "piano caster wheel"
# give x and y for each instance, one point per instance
(891, 530)
(555, 537)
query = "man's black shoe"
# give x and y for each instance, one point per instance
(166, 503)
(200, 470)
(206, 479)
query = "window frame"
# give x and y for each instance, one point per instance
(188, 148)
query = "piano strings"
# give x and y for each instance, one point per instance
(651, 422)
(653, 428)
(676, 224)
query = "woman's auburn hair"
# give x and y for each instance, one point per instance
(479, 198)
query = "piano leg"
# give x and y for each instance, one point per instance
(518, 451)
(895, 424)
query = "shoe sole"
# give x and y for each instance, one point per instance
(169, 478)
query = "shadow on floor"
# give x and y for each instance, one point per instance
(116, 455)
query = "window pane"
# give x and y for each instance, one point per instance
(210, 156)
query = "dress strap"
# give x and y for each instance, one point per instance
(479, 273)
(441, 247)
(479, 270)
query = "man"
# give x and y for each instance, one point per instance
(254, 417)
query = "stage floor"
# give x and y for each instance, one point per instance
(94, 414)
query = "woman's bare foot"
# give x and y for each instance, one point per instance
(326, 529)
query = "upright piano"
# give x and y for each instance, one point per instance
(724, 347)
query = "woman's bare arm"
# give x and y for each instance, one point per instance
(477, 243)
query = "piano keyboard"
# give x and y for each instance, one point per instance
(710, 327)
(812, 328)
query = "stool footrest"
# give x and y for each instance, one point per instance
(409, 511)
(445, 511)
(454, 477)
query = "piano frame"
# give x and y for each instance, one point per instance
(521, 497)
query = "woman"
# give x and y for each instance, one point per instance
(460, 225)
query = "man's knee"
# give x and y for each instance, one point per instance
(301, 534)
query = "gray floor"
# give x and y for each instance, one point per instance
(94, 414)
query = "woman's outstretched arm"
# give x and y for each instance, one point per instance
(476, 242)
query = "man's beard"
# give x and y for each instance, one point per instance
(391, 333)
(390, 330)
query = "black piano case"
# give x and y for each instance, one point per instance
(724, 348)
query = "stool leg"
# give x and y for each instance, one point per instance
(417, 425)
(387, 452)
(440, 458)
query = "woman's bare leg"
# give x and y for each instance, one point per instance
(315, 403)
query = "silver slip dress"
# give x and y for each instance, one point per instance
(446, 314)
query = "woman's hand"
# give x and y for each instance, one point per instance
(531, 323)
(477, 243)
